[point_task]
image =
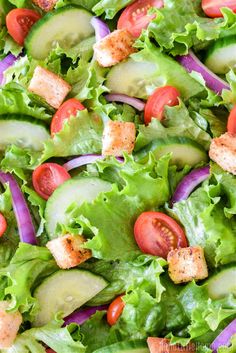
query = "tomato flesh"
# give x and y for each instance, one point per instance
(231, 124)
(157, 234)
(135, 17)
(19, 22)
(155, 106)
(3, 224)
(67, 109)
(49, 350)
(212, 7)
(47, 177)
(115, 310)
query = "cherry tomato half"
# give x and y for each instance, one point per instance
(19, 22)
(134, 18)
(47, 177)
(115, 310)
(49, 350)
(3, 224)
(157, 234)
(67, 109)
(156, 103)
(212, 7)
(231, 124)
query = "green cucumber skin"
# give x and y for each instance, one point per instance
(213, 55)
(167, 143)
(125, 347)
(221, 284)
(67, 192)
(31, 39)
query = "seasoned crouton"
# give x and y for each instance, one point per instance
(187, 264)
(162, 345)
(45, 5)
(67, 250)
(9, 325)
(223, 152)
(49, 86)
(114, 48)
(118, 137)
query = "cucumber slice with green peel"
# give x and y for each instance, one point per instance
(184, 151)
(72, 191)
(140, 78)
(65, 291)
(223, 283)
(221, 56)
(22, 132)
(67, 26)
(125, 347)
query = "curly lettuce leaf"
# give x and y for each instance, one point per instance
(110, 7)
(87, 4)
(7, 44)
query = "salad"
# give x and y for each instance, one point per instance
(117, 176)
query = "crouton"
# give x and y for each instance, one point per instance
(9, 325)
(187, 264)
(118, 137)
(67, 250)
(45, 5)
(49, 86)
(114, 48)
(223, 152)
(162, 345)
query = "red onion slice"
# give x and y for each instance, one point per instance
(79, 317)
(100, 27)
(223, 339)
(86, 159)
(191, 63)
(5, 64)
(123, 98)
(189, 183)
(21, 210)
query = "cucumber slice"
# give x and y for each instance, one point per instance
(72, 191)
(23, 132)
(136, 78)
(221, 56)
(184, 151)
(125, 347)
(65, 291)
(67, 26)
(223, 283)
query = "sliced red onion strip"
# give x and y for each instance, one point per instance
(100, 27)
(123, 98)
(5, 64)
(189, 183)
(79, 317)
(191, 63)
(223, 339)
(21, 210)
(86, 159)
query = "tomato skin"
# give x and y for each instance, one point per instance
(3, 224)
(49, 350)
(115, 310)
(212, 7)
(156, 234)
(47, 177)
(134, 18)
(19, 22)
(231, 124)
(156, 103)
(67, 109)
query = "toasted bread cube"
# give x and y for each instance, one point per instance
(49, 86)
(67, 250)
(114, 48)
(162, 345)
(223, 152)
(187, 264)
(118, 137)
(9, 325)
(45, 5)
